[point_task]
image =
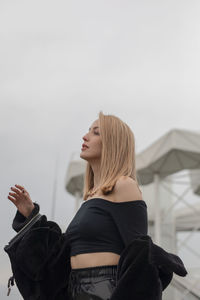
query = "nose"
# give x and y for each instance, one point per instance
(85, 137)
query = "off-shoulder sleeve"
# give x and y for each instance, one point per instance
(131, 219)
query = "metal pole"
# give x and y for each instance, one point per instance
(77, 202)
(157, 218)
(53, 208)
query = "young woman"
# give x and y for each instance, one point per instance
(110, 191)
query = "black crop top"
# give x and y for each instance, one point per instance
(104, 226)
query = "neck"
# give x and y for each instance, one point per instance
(96, 170)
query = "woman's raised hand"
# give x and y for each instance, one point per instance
(21, 199)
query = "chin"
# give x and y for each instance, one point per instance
(83, 157)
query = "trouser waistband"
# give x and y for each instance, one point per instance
(94, 271)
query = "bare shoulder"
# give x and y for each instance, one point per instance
(127, 189)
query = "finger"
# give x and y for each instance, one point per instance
(12, 199)
(15, 190)
(14, 195)
(19, 186)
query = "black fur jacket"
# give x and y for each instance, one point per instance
(40, 262)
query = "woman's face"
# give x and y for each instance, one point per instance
(92, 139)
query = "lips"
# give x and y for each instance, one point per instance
(84, 146)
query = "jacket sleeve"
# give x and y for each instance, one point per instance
(41, 241)
(20, 221)
(145, 270)
(40, 257)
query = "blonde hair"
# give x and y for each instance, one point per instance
(117, 156)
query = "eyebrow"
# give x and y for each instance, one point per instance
(94, 127)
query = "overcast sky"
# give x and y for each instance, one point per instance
(61, 62)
